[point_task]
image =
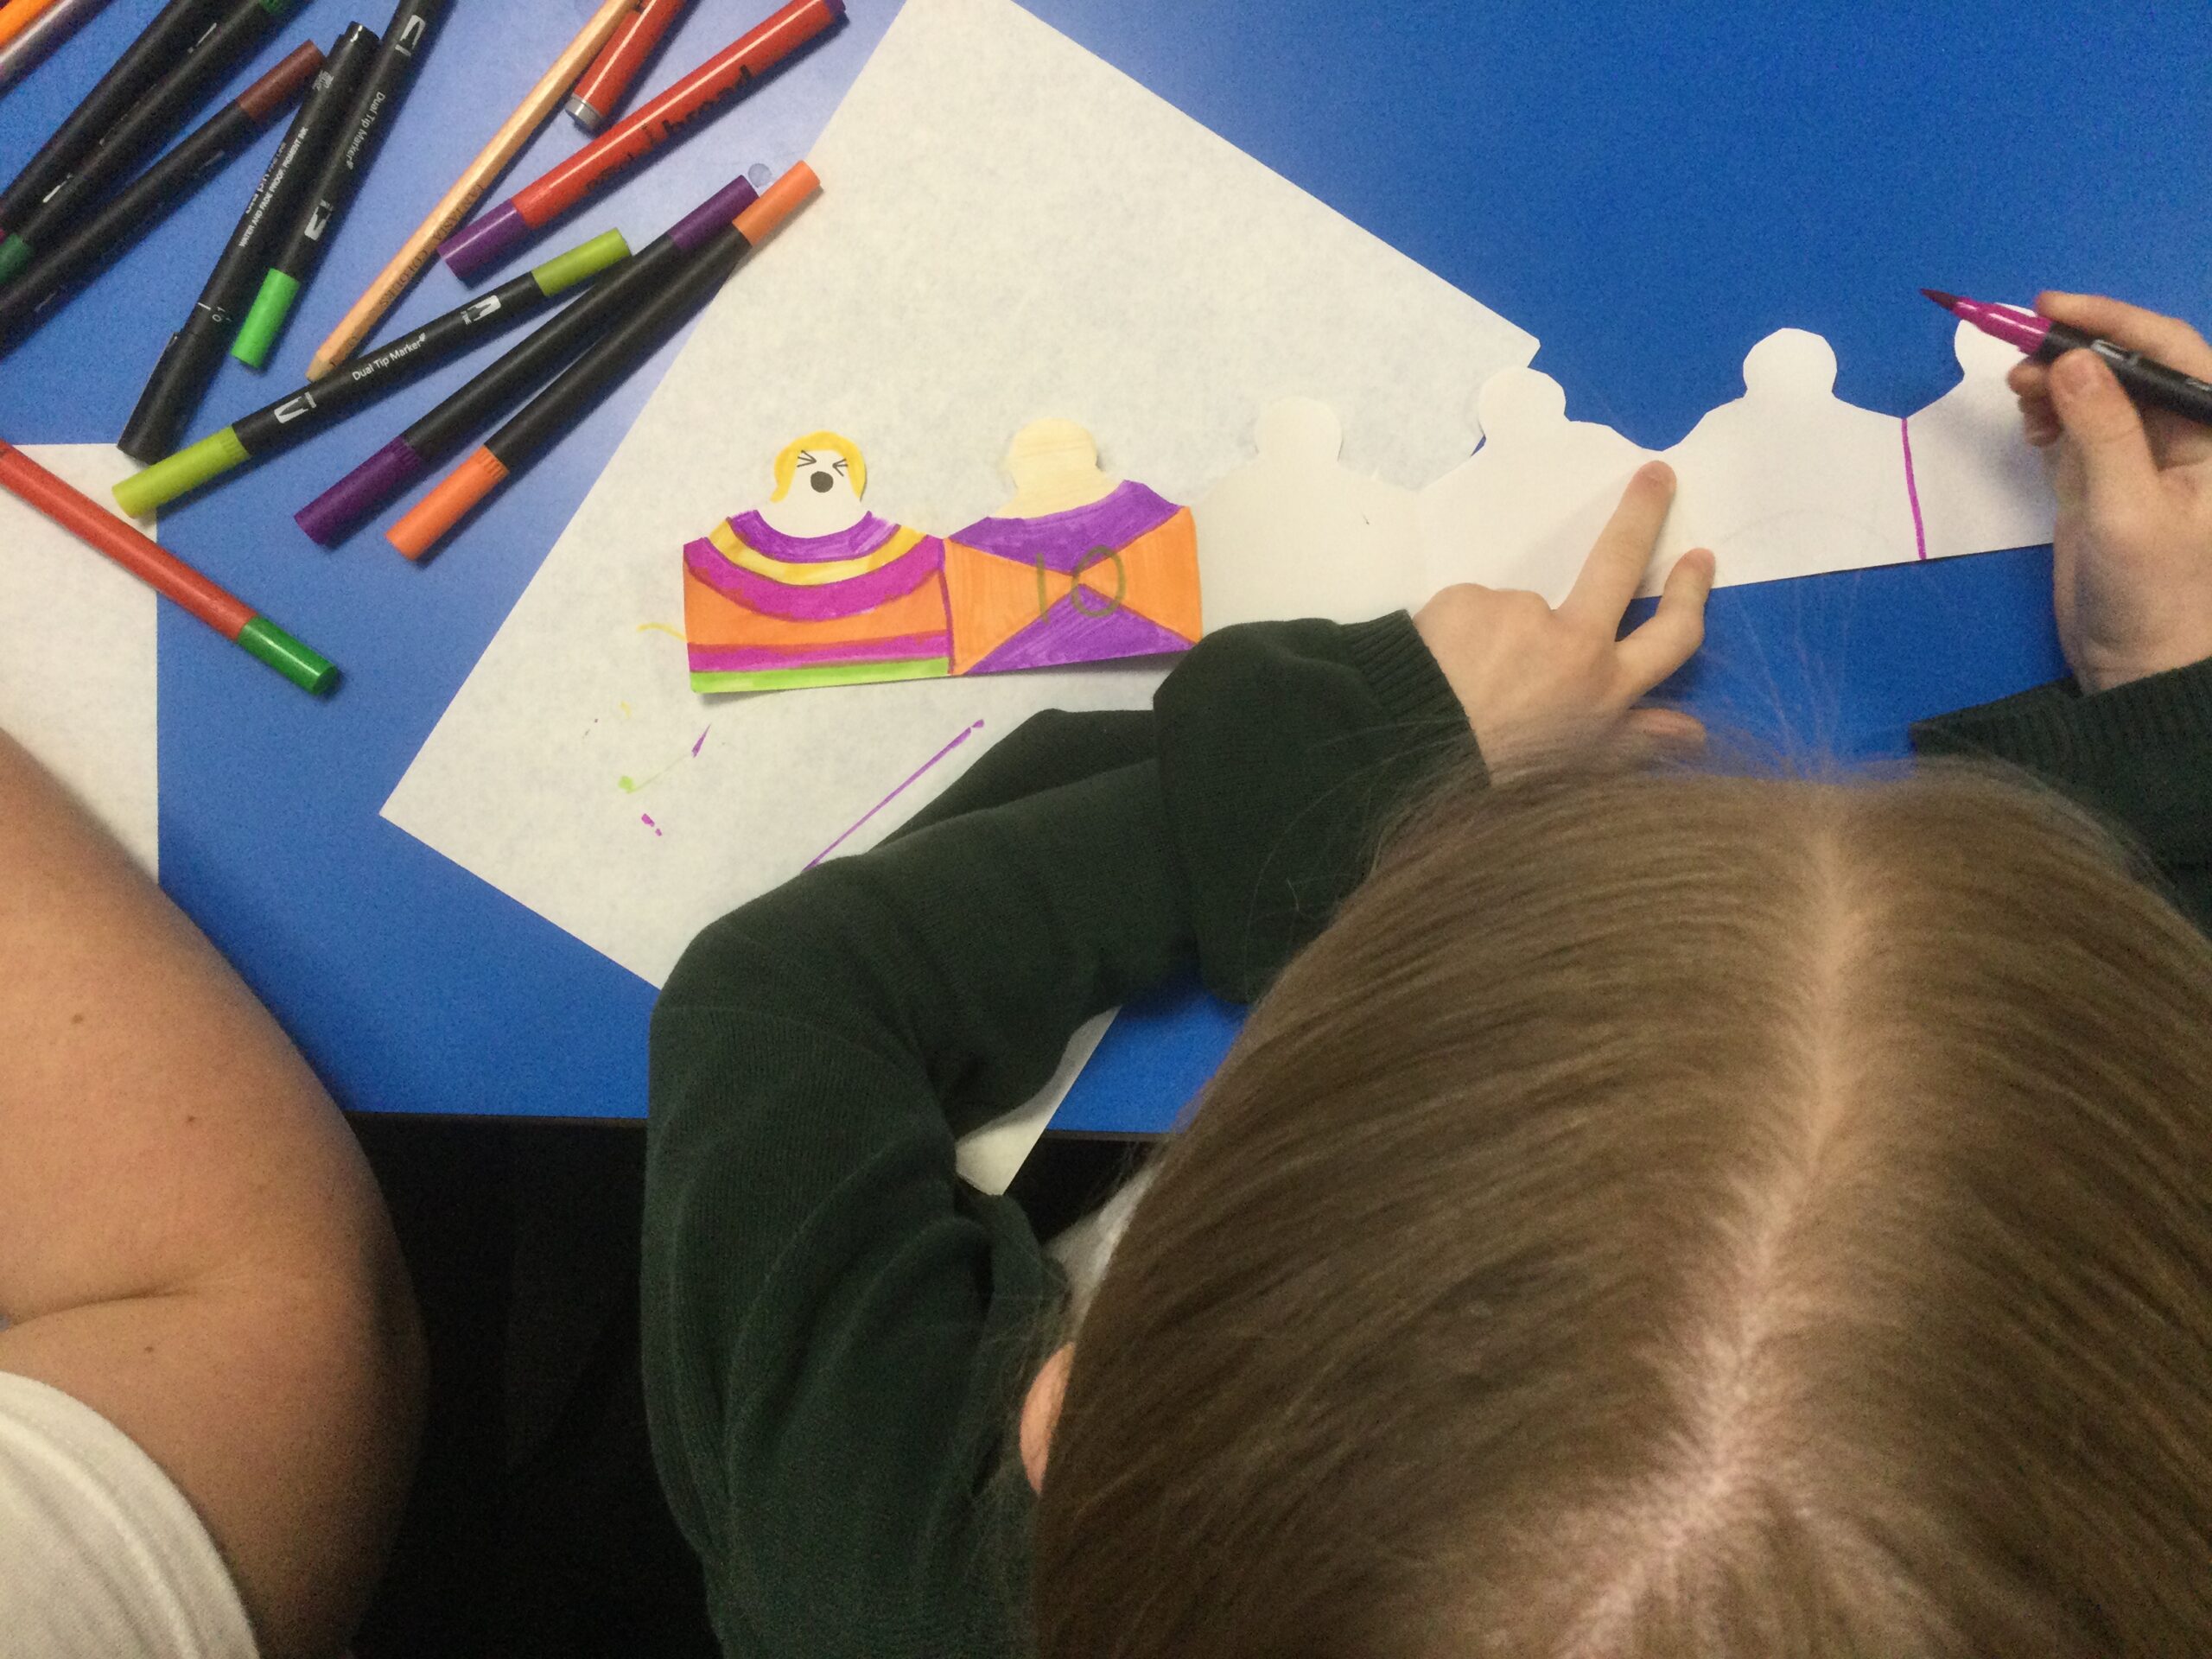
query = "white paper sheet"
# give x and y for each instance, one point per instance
(77, 680)
(1009, 229)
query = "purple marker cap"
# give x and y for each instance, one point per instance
(837, 8)
(476, 248)
(361, 492)
(713, 214)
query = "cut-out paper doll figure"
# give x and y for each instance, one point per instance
(1981, 485)
(1788, 481)
(1524, 509)
(1296, 533)
(1078, 567)
(812, 588)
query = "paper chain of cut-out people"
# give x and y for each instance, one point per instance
(1787, 480)
(814, 590)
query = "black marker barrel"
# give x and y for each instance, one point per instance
(529, 366)
(359, 382)
(188, 362)
(148, 199)
(578, 387)
(296, 257)
(141, 129)
(158, 48)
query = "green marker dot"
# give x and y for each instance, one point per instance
(15, 254)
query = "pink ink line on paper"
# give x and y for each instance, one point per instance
(1912, 490)
(701, 744)
(895, 794)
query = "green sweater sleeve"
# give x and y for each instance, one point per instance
(2141, 754)
(837, 1332)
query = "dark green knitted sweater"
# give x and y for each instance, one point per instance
(837, 1332)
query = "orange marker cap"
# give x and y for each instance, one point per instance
(778, 203)
(449, 502)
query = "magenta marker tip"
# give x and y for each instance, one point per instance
(1949, 302)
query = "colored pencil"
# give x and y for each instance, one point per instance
(152, 195)
(162, 571)
(300, 251)
(522, 371)
(722, 77)
(139, 129)
(580, 385)
(359, 382)
(616, 69)
(188, 362)
(467, 190)
(54, 25)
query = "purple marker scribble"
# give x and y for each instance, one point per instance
(701, 744)
(647, 818)
(894, 794)
(1912, 490)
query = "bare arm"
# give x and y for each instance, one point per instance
(190, 1241)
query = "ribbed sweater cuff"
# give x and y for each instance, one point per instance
(2055, 727)
(1402, 671)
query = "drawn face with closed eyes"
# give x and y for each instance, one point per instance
(819, 479)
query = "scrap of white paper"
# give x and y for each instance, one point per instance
(989, 1158)
(77, 683)
(1009, 229)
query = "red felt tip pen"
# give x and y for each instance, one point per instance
(607, 83)
(2146, 379)
(476, 248)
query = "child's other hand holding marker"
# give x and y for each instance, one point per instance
(2133, 574)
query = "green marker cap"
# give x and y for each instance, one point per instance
(187, 469)
(258, 333)
(308, 670)
(581, 263)
(15, 254)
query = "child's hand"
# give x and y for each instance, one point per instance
(1525, 672)
(2133, 574)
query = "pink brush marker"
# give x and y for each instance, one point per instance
(2148, 380)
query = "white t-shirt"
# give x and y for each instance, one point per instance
(101, 1556)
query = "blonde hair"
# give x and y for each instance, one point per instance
(1675, 1216)
(787, 462)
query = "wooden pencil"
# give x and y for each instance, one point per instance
(455, 206)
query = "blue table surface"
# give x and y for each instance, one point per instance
(1649, 188)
